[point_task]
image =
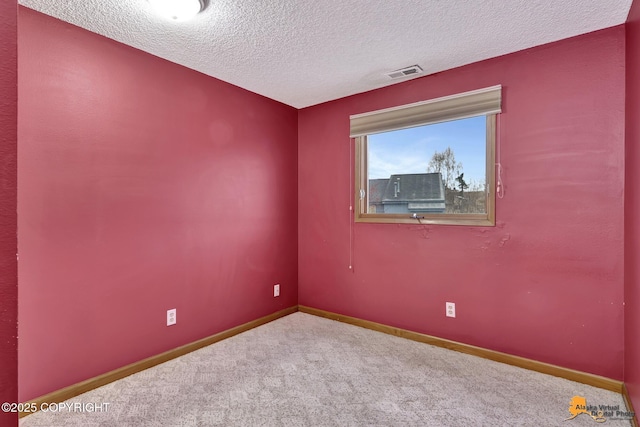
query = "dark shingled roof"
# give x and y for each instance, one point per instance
(414, 187)
(376, 189)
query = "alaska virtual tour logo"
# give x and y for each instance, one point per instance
(599, 413)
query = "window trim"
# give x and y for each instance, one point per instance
(361, 186)
(447, 108)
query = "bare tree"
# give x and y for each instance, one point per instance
(476, 185)
(445, 163)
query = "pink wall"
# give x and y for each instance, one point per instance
(547, 282)
(8, 218)
(632, 210)
(143, 186)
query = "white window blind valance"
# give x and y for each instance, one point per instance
(454, 107)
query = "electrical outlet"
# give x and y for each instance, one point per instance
(171, 317)
(450, 309)
(276, 290)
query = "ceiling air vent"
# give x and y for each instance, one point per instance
(405, 72)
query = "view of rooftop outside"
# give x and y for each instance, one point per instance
(438, 168)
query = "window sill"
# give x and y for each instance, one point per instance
(443, 219)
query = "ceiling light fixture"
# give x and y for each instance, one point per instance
(178, 10)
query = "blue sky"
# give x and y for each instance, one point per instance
(409, 150)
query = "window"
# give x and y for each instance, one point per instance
(430, 162)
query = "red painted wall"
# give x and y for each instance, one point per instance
(8, 218)
(632, 210)
(143, 186)
(547, 282)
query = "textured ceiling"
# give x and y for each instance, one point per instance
(304, 52)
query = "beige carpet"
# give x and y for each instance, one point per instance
(303, 370)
